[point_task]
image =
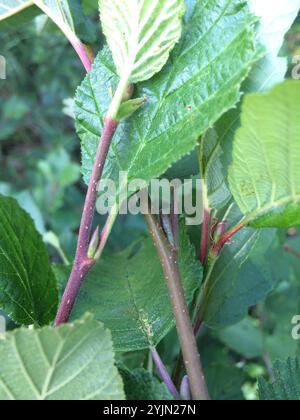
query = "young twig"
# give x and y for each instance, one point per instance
(170, 264)
(164, 374)
(83, 263)
(83, 260)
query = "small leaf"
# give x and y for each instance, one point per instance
(141, 34)
(264, 176)
(28, 292)
(127, 292)
(128, 108)
(286, 386)
(72, 362)
(140, 385)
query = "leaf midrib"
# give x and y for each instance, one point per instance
(262, 211)
(15, 10)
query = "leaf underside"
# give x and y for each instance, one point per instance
(9, 8)
(265, 175)
(72, 362)
(141, 34)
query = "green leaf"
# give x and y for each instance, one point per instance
(200, 82)
(224, 378)
(140, 385)
(245, 338)
(9, 8)
(72, 362)
(275, 20)
(278, 338)
(213, 171)
(141, 34)
(286, 386)
(264, 176)
(66, 14)
(28, 292)
(127, 292)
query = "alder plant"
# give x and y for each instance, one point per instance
(176, 82)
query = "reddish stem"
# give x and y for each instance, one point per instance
(197, 327)
(82, 51)
(82, 263)
(205, 236)
(216, 250)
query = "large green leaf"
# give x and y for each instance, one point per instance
(275, 20)
(127, 292)
(200, 82)
(72, 362)
(141, 34)
(264, 176)
(140, 385)
(28, 292)
(286, 386)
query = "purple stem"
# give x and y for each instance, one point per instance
(185, 390)
(82, 263)
(164, 374)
